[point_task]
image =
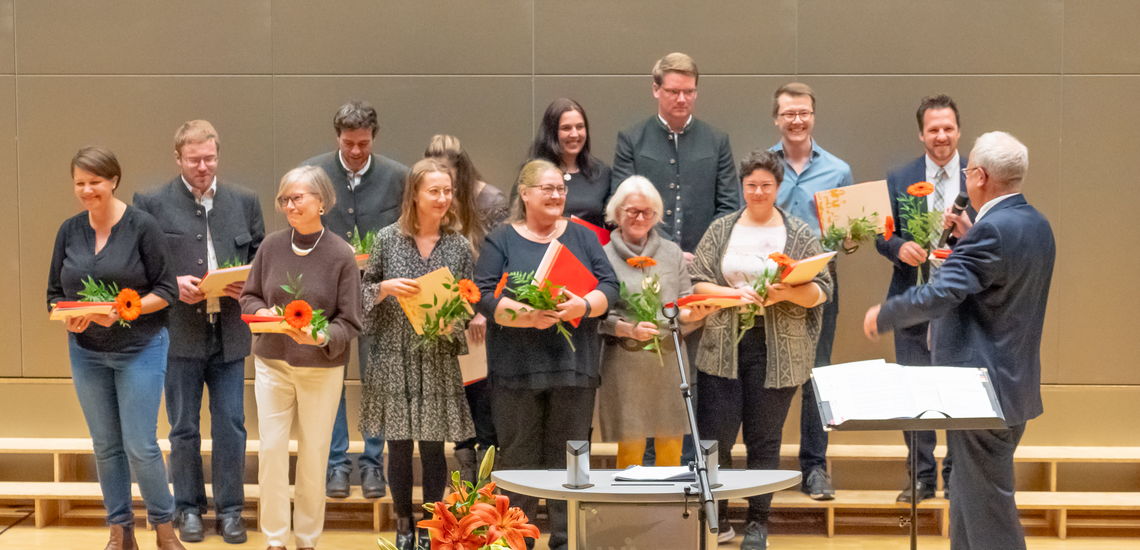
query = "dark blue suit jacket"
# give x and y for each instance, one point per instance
(987, 304)
(906, 275)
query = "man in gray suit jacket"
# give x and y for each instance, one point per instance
(986, 307)
(207, 225)
(369, 191)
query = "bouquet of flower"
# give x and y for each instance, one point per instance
(924, 227)
(859, 231)
(299, 314)
(232, 262)
(541, 297)
(774, 266)
(362, 244)
(645, 305)
(451, 315)
(473, 517)
(127, 301)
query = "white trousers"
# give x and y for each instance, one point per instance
(313, 395)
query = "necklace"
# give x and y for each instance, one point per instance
(540, 237)
(302, 251)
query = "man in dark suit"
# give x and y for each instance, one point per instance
(369, 191)
(986, 305)
(938, 121)
(207, 225)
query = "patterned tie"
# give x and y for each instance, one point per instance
(938, 203)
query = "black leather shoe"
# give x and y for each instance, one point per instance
(336, 484)
(925, 491)
(372, 483)
(190, 527)
(232, 529)
(405, 534)
(424, 540)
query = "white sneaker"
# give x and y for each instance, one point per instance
(725, 536)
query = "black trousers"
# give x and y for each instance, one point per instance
(401, 478)
(479, 399)
(534, 426)
(727, 403)
(983, 514)
(813, 438)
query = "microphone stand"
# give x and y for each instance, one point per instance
(707, 514)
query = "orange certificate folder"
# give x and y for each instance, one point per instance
(473, 366)
(214, 284)
(603, 233)
(806, 269)
(259, 324)
(62, 311)
(561, 268)
(839, 206)
(432, 295)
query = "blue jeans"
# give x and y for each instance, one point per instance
(185, 378)
(373, 455)
(119, 393)
(813, 439)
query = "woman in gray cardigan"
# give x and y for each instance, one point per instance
(750, 379)
(639, 396)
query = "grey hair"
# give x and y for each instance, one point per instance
(317, 181)
(634, 185)
(1003, 157)
(355, 115)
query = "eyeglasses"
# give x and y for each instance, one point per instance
(295, 200)
(634, 213)
(674, 94)
(966, 171)
(210, 160)
(802, 115)
(550, 190)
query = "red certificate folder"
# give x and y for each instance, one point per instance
(265, 323)
(65, 310)
(722, 300)
(561, 268)
(603, 233)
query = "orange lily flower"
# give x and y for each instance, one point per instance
(488, 491)
(505, 522)
(447, 533)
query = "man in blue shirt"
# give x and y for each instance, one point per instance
(809, 169)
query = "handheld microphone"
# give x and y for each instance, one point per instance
(959, 205)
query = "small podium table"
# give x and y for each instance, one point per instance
(640, 512)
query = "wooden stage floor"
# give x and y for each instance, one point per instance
(23, 537)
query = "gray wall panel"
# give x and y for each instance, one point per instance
(1101, 37)
(143, 37)
(7, 39)
(136, 118)
(929, 36)
(9, 223)
(605, 37)
(402, 37)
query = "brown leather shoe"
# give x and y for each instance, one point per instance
(167, 539)
(122, 538)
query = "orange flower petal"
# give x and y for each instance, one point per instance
(920, 189)
(128, 304)
(469, 291)
(298, 314)
(499, 288)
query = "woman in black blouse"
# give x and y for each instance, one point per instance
(542, 390)
(564, 139)
(118, 371)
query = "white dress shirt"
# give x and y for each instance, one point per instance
(950, 187)
(354, 177)
(989, 205)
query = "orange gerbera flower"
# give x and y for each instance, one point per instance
(128, 304)
(781, 259)
(469, 291)
(920, 189)
(447, 533)
(505, 522)
(499, 287)
(889, 223)
(641, 262)
(298, 314)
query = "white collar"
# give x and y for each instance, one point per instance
(347, 169)
(989, 205)
(932, 168)
(213, 189)
(670, 128)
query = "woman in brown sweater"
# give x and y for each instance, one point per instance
(297, 374)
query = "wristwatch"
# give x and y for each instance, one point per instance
(587, 314)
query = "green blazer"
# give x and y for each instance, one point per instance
(791, 331)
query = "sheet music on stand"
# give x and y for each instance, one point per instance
(876, 395)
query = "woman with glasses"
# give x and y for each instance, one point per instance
(298, 373)
(542, 388)
(563, 139)
(415, 393)
(118, 370)
(640, 391)
(749, 379)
